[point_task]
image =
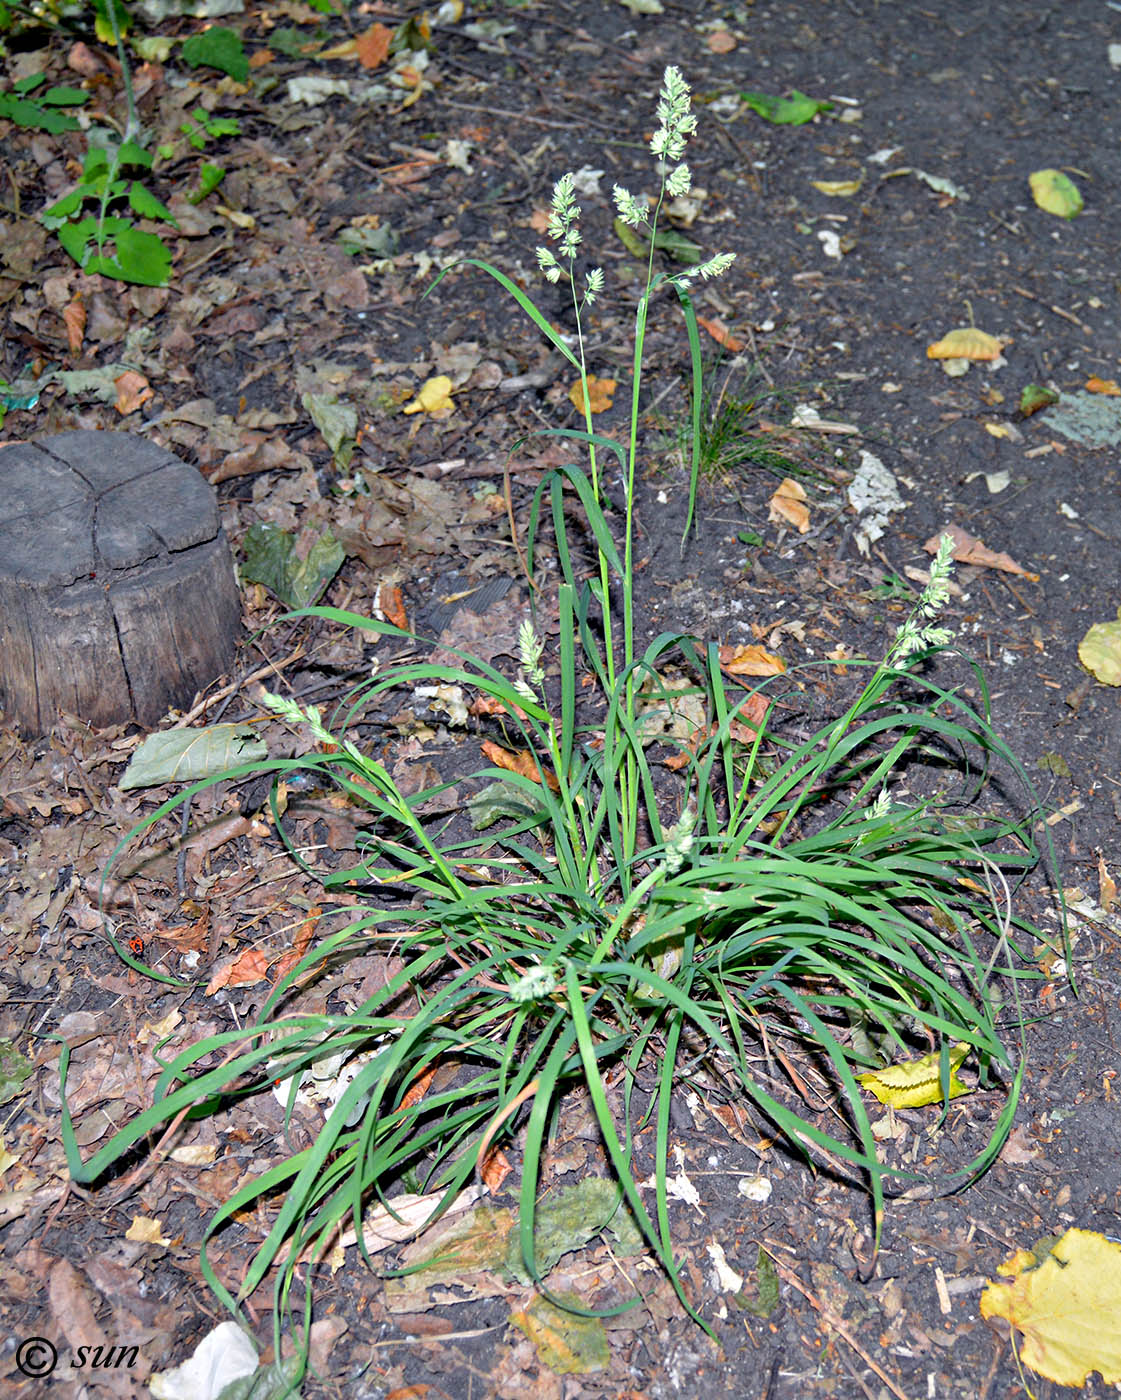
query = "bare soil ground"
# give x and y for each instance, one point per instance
(832, 303)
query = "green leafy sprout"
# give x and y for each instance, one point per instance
(765, 899)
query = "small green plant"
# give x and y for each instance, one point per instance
(111, 243)
(604, 919)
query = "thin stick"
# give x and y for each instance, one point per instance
(832, 1321)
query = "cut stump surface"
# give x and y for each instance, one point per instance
(117, 592)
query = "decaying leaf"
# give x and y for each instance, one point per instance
(966, 343)
(969, 550)
(1066, 1305)
(1100, 651)
(567, 1343)
(251, 967)
(1034, 397)
(787, 506)
(186, 755)
(752, 660)
(1055, 193)
(600, 394)
(914, 1083)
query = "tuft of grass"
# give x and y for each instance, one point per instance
(734, 434)
(609, 919)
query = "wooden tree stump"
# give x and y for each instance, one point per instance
(117, 592)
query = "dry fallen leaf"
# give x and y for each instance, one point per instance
(917, 1082)
(520, 762)
(1110, 387)
(1107, 887)
(750, 660)
(74, 317)
(1067, 1306)
(969, 550)
(251, 967)
(372, 48)
(967, 343)
(1100, 651)
(133, 390)
(787, 505)
(720, 41)
(600, 394)
(144, 1230)
(721, 334)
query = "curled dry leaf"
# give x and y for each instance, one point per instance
(967, 343)
(787, 506)
(969, 550)
(521, 762)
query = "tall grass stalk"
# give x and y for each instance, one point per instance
(618, 924)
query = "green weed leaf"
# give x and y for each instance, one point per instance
(794, 110)
(218, 47)
(147, 206)
(32, 116)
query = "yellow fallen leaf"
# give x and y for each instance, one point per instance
(600, 394)
(998, 430)
(837, 188)
(434, 396)
(916, 1082)
(1094, 385)
(1100, 651)
(787, 506)
(1066, 1306)
(146, 1231)
(1055, 193)
(966, 343)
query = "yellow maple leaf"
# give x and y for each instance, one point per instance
(914, 1083)
(966, 343)
(1066, 1307)
(434, 397)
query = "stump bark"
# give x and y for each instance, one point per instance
(117, 592)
